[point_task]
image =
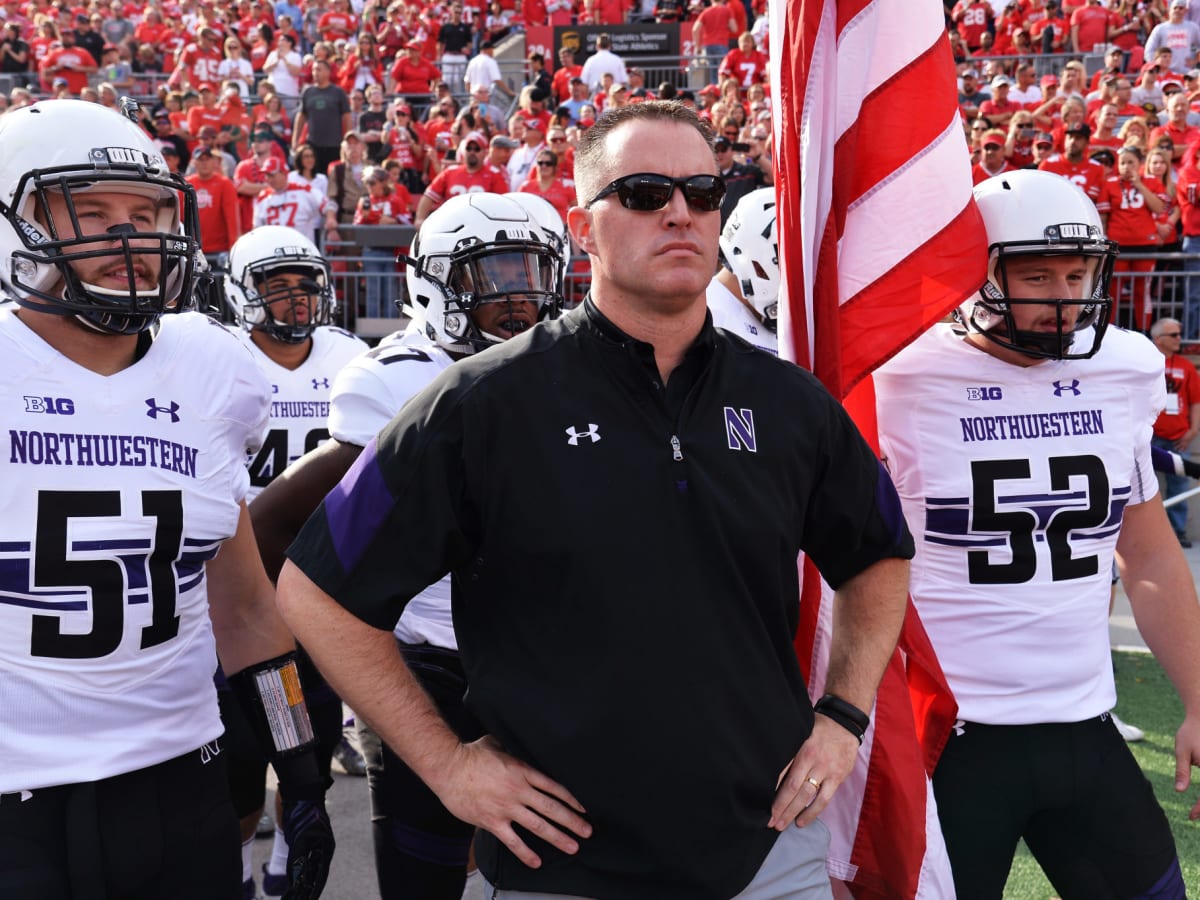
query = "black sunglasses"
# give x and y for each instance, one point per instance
(648, 191)
(545, 162)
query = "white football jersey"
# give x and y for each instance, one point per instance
(299, 402)
(366, 395)
(298, 207)
(1014, 482)
(118, 489)
(731, 314)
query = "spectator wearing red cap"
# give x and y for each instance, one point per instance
(404, 141)
(71, 63)
(992, 160)
(217, 204)
(472, 174)
(412, 74)
(199, 62)
(1073, 163)
(1148, 90)
(524, 157)
(284, 202)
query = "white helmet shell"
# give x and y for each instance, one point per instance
(269, 249)
(479, 248)
(1027, 212)
(751, 251)
(53, 155)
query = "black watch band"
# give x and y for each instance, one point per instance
(849, 716)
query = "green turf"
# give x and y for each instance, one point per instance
(1144, 698)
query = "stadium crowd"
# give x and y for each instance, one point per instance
(1106, 94)
(377, 112)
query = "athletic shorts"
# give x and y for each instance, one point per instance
(164, 831)
(1076, 795)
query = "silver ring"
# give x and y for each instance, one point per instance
(816, 784)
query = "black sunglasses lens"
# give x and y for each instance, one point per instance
(645, 193)
(704, 192)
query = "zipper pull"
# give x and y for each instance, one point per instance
(676, 453)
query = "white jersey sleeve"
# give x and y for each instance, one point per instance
(370, 390)
(119, 489)
(366, 395)
(1014, 481)
(730, 314)
(299, 409)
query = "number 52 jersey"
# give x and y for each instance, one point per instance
(1014, 482)
(117, 490)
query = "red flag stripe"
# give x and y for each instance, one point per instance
(918, 291)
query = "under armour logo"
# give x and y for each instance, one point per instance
(155, 409)
(209, 751)
(573, 436)
(739, 429)
(320, 383)
(1073, 387)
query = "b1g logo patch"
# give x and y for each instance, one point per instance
(51, 406)
(984, 393)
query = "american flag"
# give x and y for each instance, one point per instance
(878, 239)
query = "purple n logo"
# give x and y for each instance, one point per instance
(739, 429)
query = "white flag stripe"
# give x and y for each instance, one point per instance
(874, 241)
(876, 44)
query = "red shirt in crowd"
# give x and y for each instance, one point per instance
(457, 180)
(1088, 174)
(1130, 221)
(561, 192)
(747, 68)
(217, 206)
(1183, 390)
(1092, 22)
(413, 78)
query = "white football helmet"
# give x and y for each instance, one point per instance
(277, 250)
(475, 249)
(1032, 213)
(53, 155)
(751, 251)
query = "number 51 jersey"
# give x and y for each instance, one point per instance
(1014, 481)
(117, 490)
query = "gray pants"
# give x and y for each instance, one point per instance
(793, 870)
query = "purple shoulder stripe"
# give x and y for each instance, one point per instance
(357, 507)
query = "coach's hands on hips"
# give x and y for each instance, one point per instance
(310, 845)
(808, 783)
(485, 786)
